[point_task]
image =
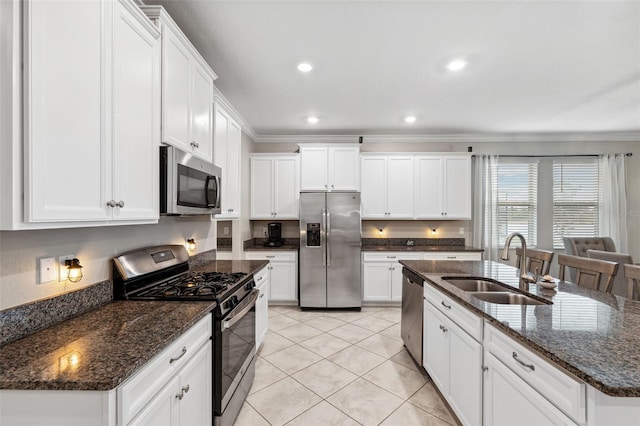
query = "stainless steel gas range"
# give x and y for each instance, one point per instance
(162, 273)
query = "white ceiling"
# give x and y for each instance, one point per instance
(535, 67)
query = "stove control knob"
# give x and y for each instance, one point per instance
(250, 285)
(234, 299)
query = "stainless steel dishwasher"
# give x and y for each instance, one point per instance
(412, 307)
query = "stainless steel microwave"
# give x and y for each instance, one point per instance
(188, 185)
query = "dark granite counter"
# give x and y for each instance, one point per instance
(421, 248)
(591, 334)
(109, 344)
(256, 244)
(246, 266)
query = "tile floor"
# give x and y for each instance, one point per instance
(339, 368)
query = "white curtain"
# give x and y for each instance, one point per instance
(485, 205)
(613, 199)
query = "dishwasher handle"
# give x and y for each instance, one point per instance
(412, 277)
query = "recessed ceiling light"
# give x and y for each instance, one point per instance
(304, 67)
(457, 64)
(312, 120)
(410, 119)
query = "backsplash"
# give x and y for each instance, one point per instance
(417, 242)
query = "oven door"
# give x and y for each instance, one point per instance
(237, 344)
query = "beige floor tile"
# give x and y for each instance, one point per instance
(324, 377)
(273, 342)
(389, 314)
(396, 378)
(356, 360)
(293, 359)
(284, 308)
(382, 345)
(428, 399)
(248, 416)
(325, 344)
(299, 332)
(283, 401)
(279, 322)
(266, 374)
(410, 415)
(403, 358)
(371, 309)
(323, 414)
(347, 316)
(325, 323)
(351, 333)
(303, 316)
(371, 406)
(373, 323)
(273, 313)
(393, 331)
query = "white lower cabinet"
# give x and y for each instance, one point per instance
(262, 305)
(453, 359)
(382, 275)
(283, 274)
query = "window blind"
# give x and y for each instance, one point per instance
(575, 199)
(516, 183)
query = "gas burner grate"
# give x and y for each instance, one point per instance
(194, 285)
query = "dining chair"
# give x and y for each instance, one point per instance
(589, 272)
(632, 273)
(619, 281)
(537, 260)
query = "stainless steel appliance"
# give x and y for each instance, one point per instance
(330, 246)
(162, 273)
(188, 185)
(411, 316)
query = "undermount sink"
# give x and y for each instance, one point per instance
(476, 284)
(508, 298)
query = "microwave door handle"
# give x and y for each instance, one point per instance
(218, 192)
(207, 182)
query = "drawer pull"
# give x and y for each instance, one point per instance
(185, 389)
(184, 351)
(445, 305)
(391, 257)
(262, 295)
(443, 328)
(259, 278)
(529, 366)
(452, 257)
(270, 257)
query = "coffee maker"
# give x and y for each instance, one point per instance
(274, 238)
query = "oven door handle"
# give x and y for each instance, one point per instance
(252, 298)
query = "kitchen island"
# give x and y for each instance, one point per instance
(593, 336)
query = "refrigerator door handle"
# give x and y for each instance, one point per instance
(323, 237)
(328, 236)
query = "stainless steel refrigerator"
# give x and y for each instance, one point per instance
(330, 246)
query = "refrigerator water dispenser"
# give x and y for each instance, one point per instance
(313, 235)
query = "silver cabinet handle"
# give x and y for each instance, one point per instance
(120, 204)
(326, 186)
(519, 361)
(262, 295)
(332, 186)
(445, 305)
(195, 144)
(111, 203)
(270, 256)
(391, 257)
(259, 279)
(452, 257)
(443, 328)
(184, 351)
(185, 389)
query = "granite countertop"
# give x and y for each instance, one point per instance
(110, 344)
(256, 244)
(246, 266)
(591, 334)
(420, 248)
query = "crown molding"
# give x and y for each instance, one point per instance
(246, 128)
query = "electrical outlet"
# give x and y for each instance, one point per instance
(226, 230)
(62, 267)
(47, 269)
(461, 231)
(264, 231)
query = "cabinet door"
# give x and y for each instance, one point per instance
(195, 407)
(313, 169)
(161, 410)
(465, 375)
(67, 110)
(220, 137)
(201, 112)
(400, 184)
(232, 183)
(136, 98)
(262, 313)
(283, 281)
(429, 188)
(396, 282)
(436, 347)
(261, 188)
(376, 278)
(457, 189)
(374, 188)
(344, 169)
(286, 192)
(176, 80)
(508, 400)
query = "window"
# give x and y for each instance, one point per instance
(575, 199)
(516, 184)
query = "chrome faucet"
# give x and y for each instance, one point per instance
(525, 278)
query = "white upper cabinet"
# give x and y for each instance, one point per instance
(324, 168)
(187, 90)
(387, 187)
(443, 187)
(91, 112)
(275, 183)
(227, 139)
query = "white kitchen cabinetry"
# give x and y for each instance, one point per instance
(453, 255)
(387, 187)
(382, 275)
(453, 354)
(92, 112)
(443, 187)
(187, 90)
(283, 274)
(275, 186)
(262, 305)
(329, 168)
(227, 139)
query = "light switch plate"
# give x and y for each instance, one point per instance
(226, 230)
(460, 231)
(48, 270)
(63, 267)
